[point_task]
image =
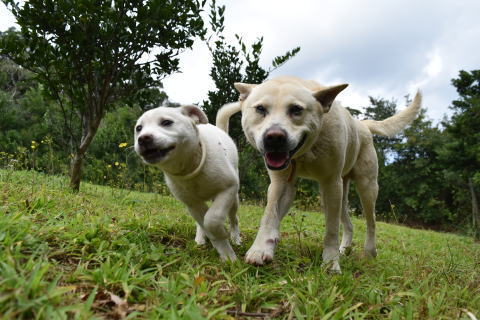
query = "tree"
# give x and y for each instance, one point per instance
(414, 186)
(462, 152)
(92, 56)
(237, 63)
(22, 106)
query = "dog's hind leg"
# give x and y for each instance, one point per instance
(365, 175)
(234, 229)
(368, 190)
(345, 218)
(198, 212)
(200, 235)
(213, 223)
(280, 196)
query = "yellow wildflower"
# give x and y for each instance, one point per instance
(116, 163)
(122, 145)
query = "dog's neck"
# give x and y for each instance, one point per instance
(190, 164)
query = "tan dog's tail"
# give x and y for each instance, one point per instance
(393, 125)
(224, 114)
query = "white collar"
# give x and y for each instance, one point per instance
(198, 169)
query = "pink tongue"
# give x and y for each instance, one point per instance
(276, 159)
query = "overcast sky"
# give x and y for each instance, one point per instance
(381, 48)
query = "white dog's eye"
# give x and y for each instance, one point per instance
(295, 110)
(139, 128)
(166, 123)
(261, 110)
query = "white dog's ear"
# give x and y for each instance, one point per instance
(244, 89)
(195, 113)
(326, 95)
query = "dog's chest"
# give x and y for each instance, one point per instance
(192, 190)
(321, 161)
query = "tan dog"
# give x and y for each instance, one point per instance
(302, 132)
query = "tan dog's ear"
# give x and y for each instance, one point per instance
(195, 113)
(327, 95)
(244, 89)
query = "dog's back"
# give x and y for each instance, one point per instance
(220, 143)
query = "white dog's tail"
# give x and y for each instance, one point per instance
(393, 125)
(224, 114)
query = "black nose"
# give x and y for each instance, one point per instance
(145, 140)
(275, 139)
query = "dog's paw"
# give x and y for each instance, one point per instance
(371, 252)
(228, 257)
(224, 249)
(200, 241)
(235, 236)
(260, 255)
(332, 267)
(200, 237)
(331, 258)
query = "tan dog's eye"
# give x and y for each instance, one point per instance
(295, 110)
(261, 110)
(166, 123)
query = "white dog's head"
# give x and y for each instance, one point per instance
(163, 133)
(282, 117)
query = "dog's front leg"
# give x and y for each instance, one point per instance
(280, 196)
(213, 223)
(332, 196)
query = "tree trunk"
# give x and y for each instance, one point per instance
(89, 129)
(475, 211)
(76, 171)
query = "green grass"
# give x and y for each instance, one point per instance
(111, 253)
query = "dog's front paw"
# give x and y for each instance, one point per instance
(333, 267)
(371, 252)
(330, 260)
(260, 254)
(224, 249)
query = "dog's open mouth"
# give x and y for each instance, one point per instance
(155, 154)
(280, 160)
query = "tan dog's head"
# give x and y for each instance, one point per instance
(282, 117)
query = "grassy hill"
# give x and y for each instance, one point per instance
(112, 253)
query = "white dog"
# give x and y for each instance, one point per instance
(200, 163)
(301, 131)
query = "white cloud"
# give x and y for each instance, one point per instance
(7, 19)
(193, 82)
(430, 71)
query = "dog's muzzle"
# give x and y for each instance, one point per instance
(275, 143)
(149, 151)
